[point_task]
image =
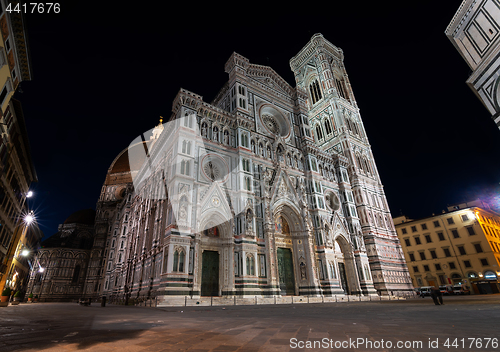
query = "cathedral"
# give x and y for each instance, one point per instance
(269, 190)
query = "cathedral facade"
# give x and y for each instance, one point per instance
(268, 190)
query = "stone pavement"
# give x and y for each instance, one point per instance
(415, 323)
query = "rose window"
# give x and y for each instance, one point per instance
(271, 124)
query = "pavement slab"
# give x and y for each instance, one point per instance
(299, 327)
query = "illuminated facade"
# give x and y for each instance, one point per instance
(314, 220)
(474, 32)
(16, 167)
(269, 190)
(459, 246)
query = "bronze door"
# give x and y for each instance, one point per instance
(210, 273)
(343, 278)
(285, 271)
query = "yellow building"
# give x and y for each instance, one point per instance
(16, 167)
(458, 246)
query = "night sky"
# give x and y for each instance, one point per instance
(102, 77)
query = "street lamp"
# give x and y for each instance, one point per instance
(29, 218)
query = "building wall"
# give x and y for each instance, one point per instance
(474, 31)
(457, 247)
(16, 167)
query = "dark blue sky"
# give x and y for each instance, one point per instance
(102, 77)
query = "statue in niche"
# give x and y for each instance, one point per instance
(303, 191)
(249, 220)
(204, 129)
(303, 275)
(267, 182)
(226, 137)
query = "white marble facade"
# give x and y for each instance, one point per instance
(267, 190)
(474, 32)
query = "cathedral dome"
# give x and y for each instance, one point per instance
(121, 168)
(84, 217)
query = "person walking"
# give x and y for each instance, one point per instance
(436, 295)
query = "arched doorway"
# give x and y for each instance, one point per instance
(346, 266)
(339, 256)
(212, 254)
(286, 274)
(210, 264)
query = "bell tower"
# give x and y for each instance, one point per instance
(337, 128)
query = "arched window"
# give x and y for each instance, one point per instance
(179, 258)
(366, 166)
(185, 167)
(319, 134)
(341, 88)
(188, 149)
(348, 124)
(250, 265)
(248, 184)
(358, 161)
(315, 92)
(184, 145)
(244, 140)
(328, 127)
(76, 274)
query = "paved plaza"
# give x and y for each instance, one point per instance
(470, 323)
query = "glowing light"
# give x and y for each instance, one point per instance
(25, 252)
(41, 270)
(29, 194)
(28, 219)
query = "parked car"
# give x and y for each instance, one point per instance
(461, 289)
(446, 289)
(425, 291)
(84, 301)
